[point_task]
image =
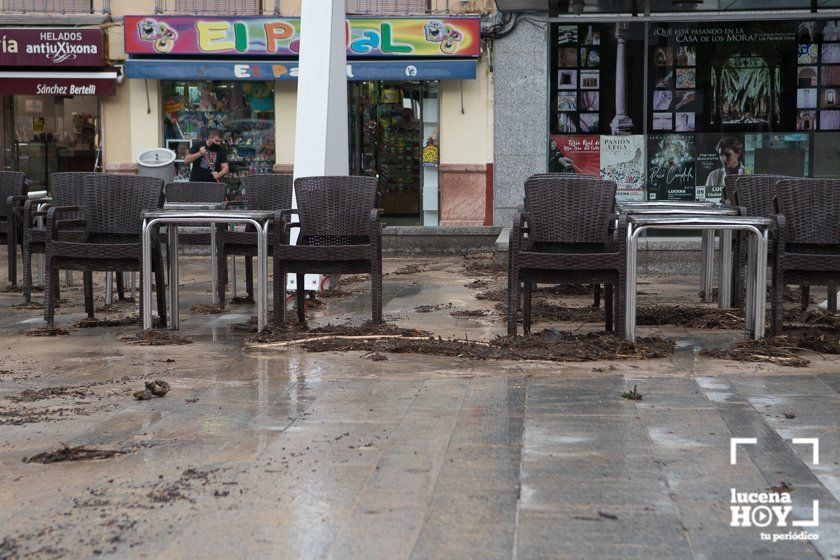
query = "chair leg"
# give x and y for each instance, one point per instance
(279, 285)
(11, 239)
(513, 300)
(221, 274)
(87, 277)
(832, 299)
(249, 276)
(51, 277)
(619, 297)
(300, 292)
(376, 291)
(120, 285)
(160, 290)
(609, 311)
(777, 298)
(804, 296)
(27, 273)
(597, 296)
(526, 307)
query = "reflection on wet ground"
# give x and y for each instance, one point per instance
(289, 454)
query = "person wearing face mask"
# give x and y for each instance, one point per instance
(731, 154)
(209, 159)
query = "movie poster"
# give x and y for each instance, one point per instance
(671, 174)
(580, 153)
(623, 161)
(718, 155)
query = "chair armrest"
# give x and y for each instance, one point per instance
(53, 223)
(517, 239)
(779, 229)
(621, 234)
(16, 200)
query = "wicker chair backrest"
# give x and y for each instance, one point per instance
(811, 208)
(269, 191)
(563, 211)
(68, 189)
(729, 188)
(756, 192)
(114, 203)
(336, 206)
(195, 191)
(12, 183)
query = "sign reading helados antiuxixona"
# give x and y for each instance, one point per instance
(275, 36)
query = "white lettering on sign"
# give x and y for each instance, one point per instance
(54, 89)
(8, 45)
(241, 71)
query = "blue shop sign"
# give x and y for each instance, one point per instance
(357, 70)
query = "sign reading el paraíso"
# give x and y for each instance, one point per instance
(274, 36)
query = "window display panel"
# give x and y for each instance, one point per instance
(242, 112)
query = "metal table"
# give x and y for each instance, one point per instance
(756, 262)
(708, 245)
(174, 218)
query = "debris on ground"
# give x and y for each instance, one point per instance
(476, 284)
(47, 331)
(763, 350)
(488, 266)
(155, 338)
(789, 416)
(498, 294)
(471, 313)
(812, 317)
(606, 515)
(31, 395)
(410, 269)
(31, 306)
(632, 395)
(604, 369)
(430, 308)
(156, 388)
(89, 323)
(354, 278)
(691, 316)
(782, 488)
(549, 345)
(206, 309)
(66, 453)
(544, 311)
(242, 300)
(376, 357)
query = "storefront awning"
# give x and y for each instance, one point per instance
(58, 83)
(357, 70)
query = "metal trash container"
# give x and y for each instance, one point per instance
(157, 162)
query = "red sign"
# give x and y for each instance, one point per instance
(582, 152)
(61, 46)
(71, 83)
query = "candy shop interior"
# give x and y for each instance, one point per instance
(242, 111)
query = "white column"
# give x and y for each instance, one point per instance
(621, 123)
(321, 143)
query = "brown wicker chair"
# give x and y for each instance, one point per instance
(262, 192)
(340, 233)
(67, 190)
(12, 197)
(194, 192)
(567, 234)
(807, 242)
(112, 235)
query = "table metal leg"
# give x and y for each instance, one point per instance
(725, 272)
(133, 284)
(630, 287)
(233, 275)
(109, 288)
(708, 265)
(760, 283)
(174, 322)
(147, 276)
(262, 274)
(214, 266)
(68, 278)
(751, 285)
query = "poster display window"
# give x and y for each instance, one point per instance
(719, 98)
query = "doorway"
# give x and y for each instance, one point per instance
(386, 141)
(44, 134)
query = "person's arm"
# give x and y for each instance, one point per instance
(224, 170)
(191, 157)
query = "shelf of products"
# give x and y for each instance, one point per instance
(242, 112)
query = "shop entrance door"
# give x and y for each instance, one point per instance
(386, 141)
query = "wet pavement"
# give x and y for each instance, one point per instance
(282, 453)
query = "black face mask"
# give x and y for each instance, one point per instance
(213, 148)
